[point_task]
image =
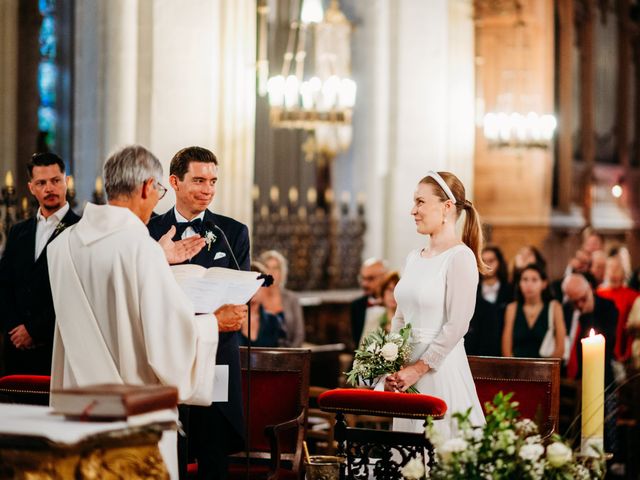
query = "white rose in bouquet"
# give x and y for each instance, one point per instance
(531, 452)
(451, 446)
(558, 454)
(414, 469)
(389, 352)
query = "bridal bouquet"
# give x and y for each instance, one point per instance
(381, 353)
(504, 448)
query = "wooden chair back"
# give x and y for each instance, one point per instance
(534, 381)
(277, 392)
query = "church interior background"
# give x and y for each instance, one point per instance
(558, 78)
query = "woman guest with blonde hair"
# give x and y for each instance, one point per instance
(267, 329)
(282, 302)
(436, 296)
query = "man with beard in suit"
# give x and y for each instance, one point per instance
(217, 430)
(25, 293)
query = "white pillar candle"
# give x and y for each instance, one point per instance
(592, 393)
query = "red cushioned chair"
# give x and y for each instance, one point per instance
(29, 389)
(392, 449)
(277, 418)
(534, 381)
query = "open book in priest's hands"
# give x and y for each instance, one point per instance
(211, 288)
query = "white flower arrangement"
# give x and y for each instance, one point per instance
(503, 448)
(414, 469)
(381, 353)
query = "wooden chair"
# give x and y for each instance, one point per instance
(27, 389)
(391, 449)
(277, 416)
(534, 381)
(320, 425)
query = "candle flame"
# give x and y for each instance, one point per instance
(99, 185)
(592, 333)
(8, 179)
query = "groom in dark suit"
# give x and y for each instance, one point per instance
(217, 430)
(28, 316)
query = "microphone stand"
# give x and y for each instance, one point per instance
(268, 281)
(247, 410)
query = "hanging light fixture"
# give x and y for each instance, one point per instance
(324, 99)
(514, 123)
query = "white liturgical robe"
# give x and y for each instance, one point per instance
(122, 318)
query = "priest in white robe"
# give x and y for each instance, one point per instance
(121, 316)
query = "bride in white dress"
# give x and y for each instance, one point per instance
(437, 295)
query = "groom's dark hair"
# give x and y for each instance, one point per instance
(181, 160)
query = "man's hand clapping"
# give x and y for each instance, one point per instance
(182, 250)
(231, 317)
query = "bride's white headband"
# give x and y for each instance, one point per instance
(436, 176)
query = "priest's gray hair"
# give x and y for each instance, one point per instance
(127, 169)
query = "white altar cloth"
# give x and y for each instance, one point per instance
(40, 422)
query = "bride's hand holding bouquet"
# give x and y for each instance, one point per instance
(381, 354)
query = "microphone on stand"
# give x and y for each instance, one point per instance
(210, 225)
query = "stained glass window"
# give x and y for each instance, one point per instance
(48, 73)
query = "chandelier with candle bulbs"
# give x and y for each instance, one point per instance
(321, 101)
(514, 123)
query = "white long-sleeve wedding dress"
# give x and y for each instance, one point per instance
(437, 297)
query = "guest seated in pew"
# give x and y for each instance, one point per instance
(526, 255)
(380, 316)
(585, 310)
(267, 329)
(372, 272)
(528, 319)
(615, 289)
(494, 293)
(282, 302)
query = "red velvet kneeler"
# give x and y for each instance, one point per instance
(28, 389)
(391, 404)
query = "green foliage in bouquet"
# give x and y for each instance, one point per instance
(381, 353)
(504, 448)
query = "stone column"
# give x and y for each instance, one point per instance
(8, 85)
(168, 75)
(416, 64)
(565, 147)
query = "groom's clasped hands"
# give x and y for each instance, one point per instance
(231, 317)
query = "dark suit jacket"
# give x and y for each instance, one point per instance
(237, 234)
(604, 320)
(25, 296)
(358, 313)
(484, 336)
(228, 343)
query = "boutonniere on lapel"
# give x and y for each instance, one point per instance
(59, 228)
(209, 238)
